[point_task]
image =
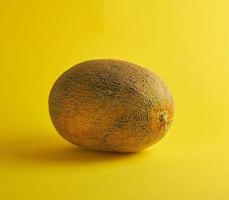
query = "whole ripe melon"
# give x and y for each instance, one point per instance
(110, 105)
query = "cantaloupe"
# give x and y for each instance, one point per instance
(111, 105)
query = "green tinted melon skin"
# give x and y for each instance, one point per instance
(111, 105)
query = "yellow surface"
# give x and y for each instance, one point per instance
(185, 42)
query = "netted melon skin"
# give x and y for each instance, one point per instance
(111, 105)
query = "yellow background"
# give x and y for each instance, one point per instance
(185, 42)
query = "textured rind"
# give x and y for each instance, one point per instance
(110, 105)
